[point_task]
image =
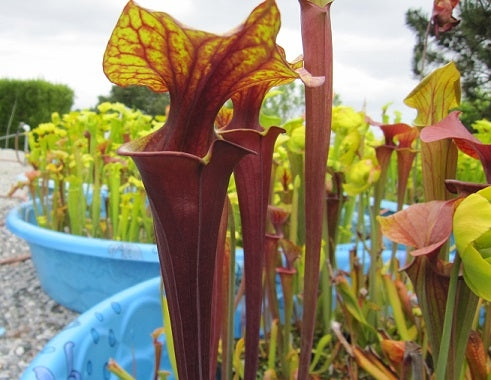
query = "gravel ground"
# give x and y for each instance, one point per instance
(28, 317)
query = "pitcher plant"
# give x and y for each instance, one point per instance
(186, 164)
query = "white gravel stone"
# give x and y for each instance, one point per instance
(28, 317)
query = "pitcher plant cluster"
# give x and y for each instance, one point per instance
(81, 186)
(397, 327)
(215, 177)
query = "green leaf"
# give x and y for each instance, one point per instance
(430, 279)
(435, 95)
(472, 230)
(395, 303)
(169, 340)
(76, 209)
(350, 302)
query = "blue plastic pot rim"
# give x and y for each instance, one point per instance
(34, 234)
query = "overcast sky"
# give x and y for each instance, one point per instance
(63, 42)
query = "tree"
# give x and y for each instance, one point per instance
(31, 102)
(287, 101)
(138, 97)
(468, 44)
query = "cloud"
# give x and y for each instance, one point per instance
(63, 41)
(40, 19)
(363, 90)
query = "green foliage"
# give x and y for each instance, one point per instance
(482, 130)
(473, 111)
(138, 97)
(472, 229)
(31, 102)
(468, 45)
(286, 101)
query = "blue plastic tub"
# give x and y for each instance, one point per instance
(79, 272)
(120, 328)
(117, 328)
